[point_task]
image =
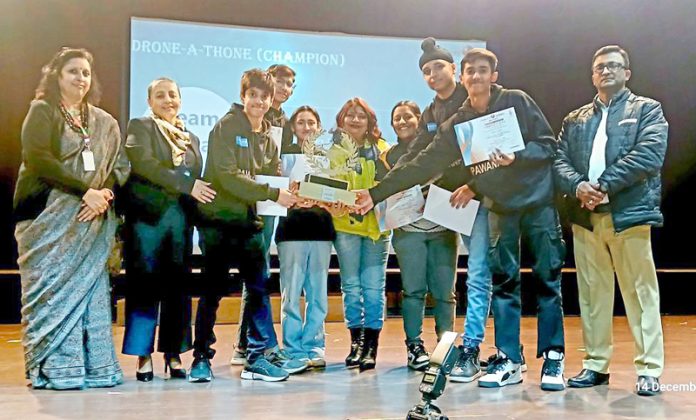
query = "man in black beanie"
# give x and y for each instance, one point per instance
(518, 193)
(437, 65)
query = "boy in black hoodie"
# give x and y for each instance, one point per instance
(518, 191)
(239, 148)
(284, 82)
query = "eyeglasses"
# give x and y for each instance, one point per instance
(612, 67)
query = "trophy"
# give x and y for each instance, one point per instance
(329, 159)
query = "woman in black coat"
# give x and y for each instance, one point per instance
(166, 168)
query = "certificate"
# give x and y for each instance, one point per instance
(400, 209)
(268, 207)
(439, 210)
(276, 134)
(478, 138)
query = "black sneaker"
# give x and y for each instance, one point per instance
(200, 370)
(467, 368)
(418, 358)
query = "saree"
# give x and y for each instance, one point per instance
(66, 303)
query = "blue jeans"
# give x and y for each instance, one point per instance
(478, 280)
(428, 263)
(363, 264)
(304, 266)
(156, 276)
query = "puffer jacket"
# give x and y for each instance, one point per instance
(635, 152)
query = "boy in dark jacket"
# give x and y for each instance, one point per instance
(239, 148)
(281, 134)
(518, 191)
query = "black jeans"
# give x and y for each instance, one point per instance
(157, 272)
(541, 230)
(268, 230)
(224, 247)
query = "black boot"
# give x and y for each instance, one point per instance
(369, 353)
(357, 337)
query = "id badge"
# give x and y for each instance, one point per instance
(88, 160)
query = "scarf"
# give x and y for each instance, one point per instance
(176, 135)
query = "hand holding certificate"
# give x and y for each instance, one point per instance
(268, 207)
(480, 137)
(439, 210)
(400, 209)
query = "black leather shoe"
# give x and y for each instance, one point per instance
(588, 378)
(647, 386)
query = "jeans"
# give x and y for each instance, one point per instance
(225, 246)
(156, 283)
(268, 231)
(541, 229)
(428, 262)
(304, 266)
(363, 264)
(478, 280)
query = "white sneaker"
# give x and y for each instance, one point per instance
(552, 371)
(501, 372)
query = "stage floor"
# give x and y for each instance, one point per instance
(385, 393)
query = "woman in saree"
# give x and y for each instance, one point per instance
(72, 157)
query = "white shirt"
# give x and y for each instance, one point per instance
(598, 162)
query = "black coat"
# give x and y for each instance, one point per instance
(42, 170)
(155, 183)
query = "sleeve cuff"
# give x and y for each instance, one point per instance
(273, 193)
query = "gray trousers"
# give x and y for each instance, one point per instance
(428, 263)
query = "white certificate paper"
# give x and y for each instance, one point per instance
(478, 138)
(268, 207)
(276, 134)
(400, 209)
(439, 210)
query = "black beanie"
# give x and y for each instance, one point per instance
(432, 51)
